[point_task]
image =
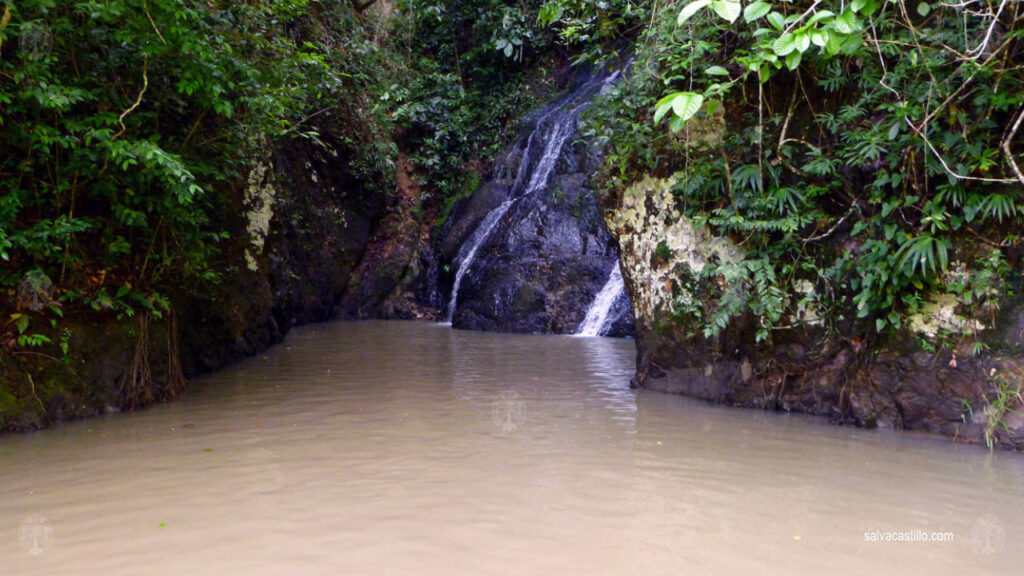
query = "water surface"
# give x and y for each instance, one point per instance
(410, 448)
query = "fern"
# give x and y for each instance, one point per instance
(748, 177)
(925, 252)
(751, 285)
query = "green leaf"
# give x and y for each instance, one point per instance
(716, 71)
(690, 9)
(793, 60)
(846, 23)
(728, 9)
(858, 5)
(660, 112)
(819, 38)
(819, 16)
(803, 41)
(894, 319)
(851, 44)
(894, 131)
(785, 44)
(756, 10)
(663, 106)
(868, 8)
(549, 13)
(686, 105)
(924, 8)
(833, 44)
(777, 20)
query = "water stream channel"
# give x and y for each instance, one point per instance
(411, 448)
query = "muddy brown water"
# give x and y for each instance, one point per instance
(410, 448)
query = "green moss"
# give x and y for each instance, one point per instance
(662, 255)
(9, 405)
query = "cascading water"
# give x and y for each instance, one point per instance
(599, 317)
(480, 235)
(553, 129)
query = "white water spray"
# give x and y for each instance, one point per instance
(598, 319)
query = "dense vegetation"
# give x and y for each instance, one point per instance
(133, 133)
(866, 153)
(127, 127)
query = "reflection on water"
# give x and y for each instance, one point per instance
(409, 448)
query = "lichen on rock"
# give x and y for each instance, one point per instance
(649, 226)
(260, 195)
(939, 315)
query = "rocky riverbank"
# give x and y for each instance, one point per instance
(818, 365)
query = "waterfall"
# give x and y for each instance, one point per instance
(599, 318)
(480, 235)
(555, 126)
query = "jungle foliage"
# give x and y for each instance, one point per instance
(128, 127)
(866, 155)
(123, 121)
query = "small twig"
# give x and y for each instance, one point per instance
(145, 8)
(195, 125)
(728, 175)
(302, 121)
(5, 20)
(31, 353)
(988, 33)
(138, 100)
(33, 385)
(1006, 146)
(949, 170)
(983, 239)
(782, 134)
(802, 16)
(963, 85)
(831, 230)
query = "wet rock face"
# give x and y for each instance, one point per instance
(395, 267)
(541, 269)
(541, 264)
(892, 384)
(314, 237)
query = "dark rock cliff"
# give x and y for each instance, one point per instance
(548, 252)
